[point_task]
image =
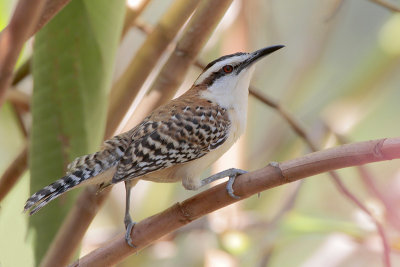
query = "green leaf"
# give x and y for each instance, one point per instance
(72, 68)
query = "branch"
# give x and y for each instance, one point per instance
(22, 72)
(131, 14)
(28, 18)
(13, 172)
(128, 85)
(51, 9)
(197, 32)
(334, 175)
(369, 181)
(19, 99)
(74, 227)
(70, 234)
(387, 5)
(149, 230)
(12, 38)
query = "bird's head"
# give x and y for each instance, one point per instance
(230, 75)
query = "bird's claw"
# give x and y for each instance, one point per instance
(129, 226)
(229, 185)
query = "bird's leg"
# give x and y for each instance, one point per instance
(129, 224)
(231, 173)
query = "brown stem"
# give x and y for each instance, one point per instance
(12, 38)
(197, 32)
(369, 182)
(293, 123)
(70, 234)
(387, 5)
(51, 8)
(73, 229)
(128, 85)
(288, 204)
(131, 14)
(19, 99)
(342, 188)
(335, 176)
(19, 112)
(151, 229)
(23, 71)
(13, 172)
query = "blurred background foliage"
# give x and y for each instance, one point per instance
(338, 76)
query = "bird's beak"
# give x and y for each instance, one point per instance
(257, 55)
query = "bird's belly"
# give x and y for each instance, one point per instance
(189, 172)
(167, 175)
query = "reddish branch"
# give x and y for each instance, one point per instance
(334, 175)
(29, 17)
(86, 207)
(199, 28)
(153, 228)
(13, 172)
(12, 38)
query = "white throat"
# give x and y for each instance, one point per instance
(232, 93)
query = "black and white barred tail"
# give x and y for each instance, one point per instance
(88, 169)
(54, 190)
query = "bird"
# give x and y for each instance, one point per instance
(175, 142)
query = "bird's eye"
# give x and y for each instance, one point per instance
(228, 68)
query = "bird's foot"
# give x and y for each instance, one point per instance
(231, 173)
(129, 224)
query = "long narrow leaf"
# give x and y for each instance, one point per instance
(72, 67)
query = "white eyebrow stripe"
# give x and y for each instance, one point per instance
(217, 66)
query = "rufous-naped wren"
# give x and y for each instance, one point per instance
(176, 142)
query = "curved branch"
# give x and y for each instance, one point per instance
(299, 130)
(246, 185)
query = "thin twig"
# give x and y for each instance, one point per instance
(13, 172)
(147, 231)
(143, 26)
(288, 204)
(23, 71)
(19, 112)
(131, 15)
(335, 176)
(342, 188)
(19, 99)
(369, 182)
(387, 5)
